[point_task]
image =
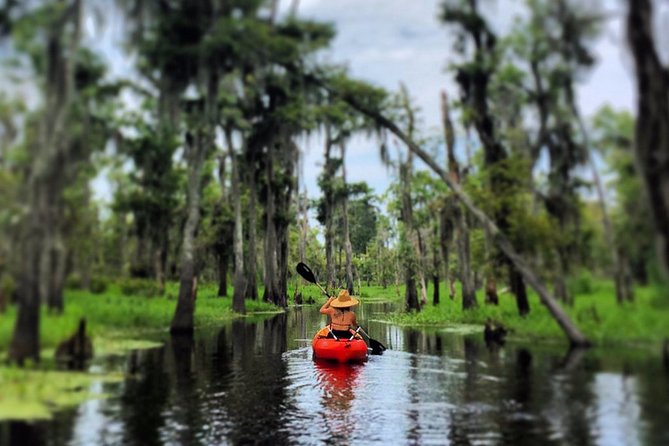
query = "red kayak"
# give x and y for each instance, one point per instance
(340, 350)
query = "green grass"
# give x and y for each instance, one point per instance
(595, 312)
(114, 315)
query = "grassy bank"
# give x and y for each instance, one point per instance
(595, 312)
(112, 314)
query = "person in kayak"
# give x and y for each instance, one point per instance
(341, 316)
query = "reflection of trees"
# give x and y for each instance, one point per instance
(144, 397)
(576, 401)
(523, 397)
(256, 399)
(187, 410)
(19, 433)
(653, 392)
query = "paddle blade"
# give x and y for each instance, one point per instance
(376, 346)
(304, 271)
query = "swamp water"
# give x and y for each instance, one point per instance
(256, 383)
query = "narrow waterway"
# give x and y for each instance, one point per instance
(256, 383)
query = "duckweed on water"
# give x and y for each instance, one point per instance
(36, 394)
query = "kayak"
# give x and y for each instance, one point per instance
(340, 350)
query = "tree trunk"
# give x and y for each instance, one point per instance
(304, 225)
(491, 290)
(47, 154)
(58, 271)
(222, 274)
(420, 259)
(182, 322)
(238, 281)
(25, 340)
(445, 240)
(464, 262)
(250, 264)
(652, 124)
(347, 239)
(407, 252)
(328, 201)
(270, 244)
(455, 213)
(284, 195)
(520, 291)
(410, 294)
(436, 264)
(159, 267)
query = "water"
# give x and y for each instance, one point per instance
(256, 383)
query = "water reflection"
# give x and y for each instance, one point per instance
(257, 383)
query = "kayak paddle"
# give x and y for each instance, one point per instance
(308, 275)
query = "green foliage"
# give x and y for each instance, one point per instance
(73, 282)
(581, 283)
(139, 287)
(98, 285)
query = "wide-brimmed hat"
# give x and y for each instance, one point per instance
(344, 300)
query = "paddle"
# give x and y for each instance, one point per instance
(308, 275)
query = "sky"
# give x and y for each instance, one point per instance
(391, 41)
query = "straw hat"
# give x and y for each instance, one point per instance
(344, 300)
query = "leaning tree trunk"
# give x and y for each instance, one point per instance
(572, 332)
(196, 152)
(347, 239)
(238, 281)
(652, 124)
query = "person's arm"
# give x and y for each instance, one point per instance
(325, 309)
